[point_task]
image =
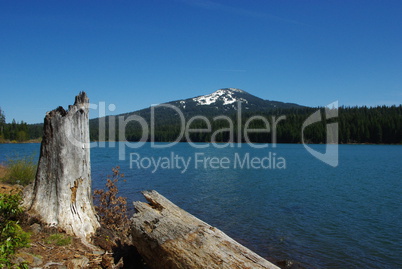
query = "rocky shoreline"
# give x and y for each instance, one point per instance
(106, 251)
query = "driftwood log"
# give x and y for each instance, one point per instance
(61, 195)
(169, 237)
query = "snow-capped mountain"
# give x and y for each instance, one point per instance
(167, 116)
(227, 99)
(227, 96)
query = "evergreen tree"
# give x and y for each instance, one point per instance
(2, 123)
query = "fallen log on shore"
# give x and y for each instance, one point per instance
(168, 237)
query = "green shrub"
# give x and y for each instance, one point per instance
(20, 171)
(12, 237)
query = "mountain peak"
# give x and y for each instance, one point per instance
(225, 101)
(232, 90)
(226, 96)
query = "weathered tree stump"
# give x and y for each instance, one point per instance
(169, 237)
(61, 195)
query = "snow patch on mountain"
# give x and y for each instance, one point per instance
(227, 96)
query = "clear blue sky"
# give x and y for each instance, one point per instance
(138, 53)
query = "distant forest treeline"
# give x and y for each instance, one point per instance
(376, 125)
(18, 131)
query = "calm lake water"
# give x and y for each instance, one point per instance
(299, 208)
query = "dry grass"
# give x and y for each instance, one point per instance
(4, 187)
(3, 171)
(19, 171)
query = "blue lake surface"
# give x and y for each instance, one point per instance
(299, 208)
